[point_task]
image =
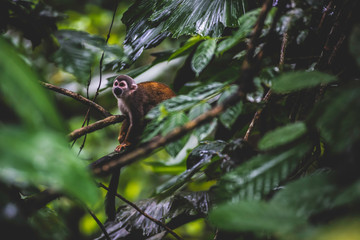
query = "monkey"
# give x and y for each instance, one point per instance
(134, 101)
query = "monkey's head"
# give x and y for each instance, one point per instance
(123, 86)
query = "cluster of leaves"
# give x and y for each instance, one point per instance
(294, 176)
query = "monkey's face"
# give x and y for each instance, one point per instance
(123, 86)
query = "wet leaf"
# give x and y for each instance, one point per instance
(175, 120)
(282, 135)
(246, 23)
(130, 224)
(204, 152)
(204, 130)
(203, 55)
(150, 21)
(295, 81)
(230, 115)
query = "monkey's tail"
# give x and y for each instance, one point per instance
(110, 208)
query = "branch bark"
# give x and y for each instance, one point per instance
(95, 126)
(77, 97)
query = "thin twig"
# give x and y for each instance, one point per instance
(77, 97)
(95, 126)
(103, 229)
(87, 116)
(256, 116)
(143, 213)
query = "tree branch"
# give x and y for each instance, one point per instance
(77, 97)
(144, 213)
(95, 126)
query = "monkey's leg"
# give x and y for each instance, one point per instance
(110, 208)
(125, 128)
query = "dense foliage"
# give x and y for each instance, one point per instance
(267, 116)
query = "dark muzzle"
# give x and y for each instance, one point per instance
(118, 91)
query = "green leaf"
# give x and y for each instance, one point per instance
(203, 92)
(258, 176)
(282, 135)
(204, 130)
(175, 120)
(37, 152)
(230, 115)
(338, 117)
(295, 81)
(20, 89)
(188, 45)
(44, 158)
(256, 217)
(203, 55)
(150, 21)
(198, 158)
(175, 104)
(246, 23)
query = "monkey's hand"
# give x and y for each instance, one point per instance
(122, 146)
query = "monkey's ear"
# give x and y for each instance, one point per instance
(133, 86)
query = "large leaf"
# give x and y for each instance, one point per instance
(259, 175)
(150, 21)
(184, 206)
(44, 158)
(282, 135)
(203, 55)
(36, 152)
(20, 89)
(295, 81)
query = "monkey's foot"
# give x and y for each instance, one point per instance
(122, 146)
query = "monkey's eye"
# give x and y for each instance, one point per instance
(122, 84)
